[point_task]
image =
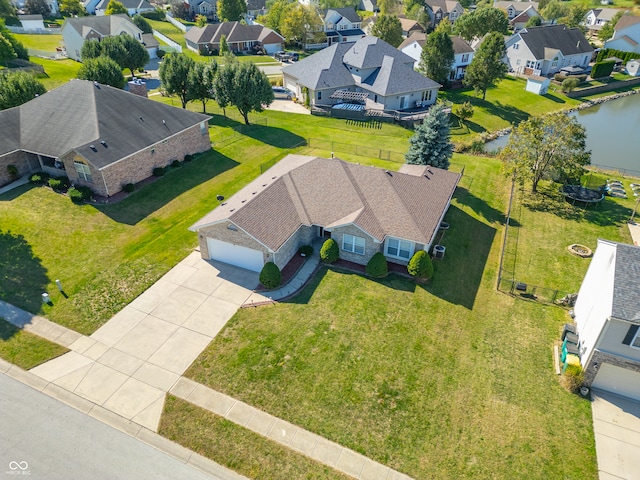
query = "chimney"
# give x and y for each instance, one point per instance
(137, 86)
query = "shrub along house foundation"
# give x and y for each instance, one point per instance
(98, 136)
(364, 209)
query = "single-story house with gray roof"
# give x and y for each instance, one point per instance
(240, 38)
(383, 74)
(98, 136)
(301, 198)
(607, 316)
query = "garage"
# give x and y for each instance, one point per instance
(618, 380)
(243, 257)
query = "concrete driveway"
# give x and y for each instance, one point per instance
(288, 106)
(616, 425)
(129, 364)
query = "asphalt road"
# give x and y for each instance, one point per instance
(42, 438)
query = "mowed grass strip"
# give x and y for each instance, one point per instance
(46, 43)
(236, 447)
(448, 380)
(25, 349)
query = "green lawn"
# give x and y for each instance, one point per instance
(448, 380)
(25, 349)
(57, 72)
(47, 43)
(235, 447)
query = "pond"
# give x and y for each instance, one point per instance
(613, 134)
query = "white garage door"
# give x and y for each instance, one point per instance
(618, 380)
(235, 255)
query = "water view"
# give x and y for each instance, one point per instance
(613, 131)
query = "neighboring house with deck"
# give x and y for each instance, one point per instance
(626, 35)
(607, 316)
(98, 136)
(302, 199)
(240, 38)
(369, 71)
(75, 31)
(545, 50)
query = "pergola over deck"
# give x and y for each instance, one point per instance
(349, 96)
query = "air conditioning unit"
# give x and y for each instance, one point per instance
(438, 251)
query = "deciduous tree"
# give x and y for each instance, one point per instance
(174, 75)
(231, 10)
(202, 82)
(388, 7)
(102, 70)
(276, 14)
(300, 23)
(136, 55)
(37, 7)
(201, 21)
(544, 145)
(142, 23)
(6, 51)
(224, 46)
(18, 48)
(535, 21)
(430, 144)
(389, 29)
(18, 88)
(180, 9)
(244, 86)
(115, 7)
(437, 57)
(606, 32)
(480, 22)
(487, 66)
(6, 9)
(554, 10)
(72, 7)
(464, 111)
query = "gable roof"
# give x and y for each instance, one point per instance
(301, 190)
(460, 45)
(105, 25)
(604, 13)
(80, 114)
(348, 12)
(445, 5)
(626, 21)
(128, 4)
(256, 4)
(392, 73)
(540, 40)
(518, 6)
(419, 37)
(233, 31)
(409, 25)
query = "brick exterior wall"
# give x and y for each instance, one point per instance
(598, 358)
(303, 236)
(17, 159)
(370, 246)
(220, 231)
(140, 165)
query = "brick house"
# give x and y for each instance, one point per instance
(98, 136)
(300, 199)
(240, 38)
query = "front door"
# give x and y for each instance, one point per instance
(322, 233)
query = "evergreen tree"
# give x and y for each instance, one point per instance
(174, 76)
(430, 144)
(224, 46)
(7, 52)
(202, 82)
(142, 23)
(389, 29)
(18, 88)
(6, 9)
(487, 66)
(437, 57)
(102, 70)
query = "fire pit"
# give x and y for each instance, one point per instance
(580, 250)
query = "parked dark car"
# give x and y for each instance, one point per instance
(282, 56)
(294, 56)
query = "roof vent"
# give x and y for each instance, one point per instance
(141, 119)
(232, 210)
(104, 144)
(388, 173)
(243, 201)
(427, 176)
(264, 184)
(95, 84)
(273, 178)
(253, 193)
(163, 122)
(93, 148)
(429, 170)
(224, 203)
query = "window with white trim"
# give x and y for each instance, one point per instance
(83, 171)
(632, 338)
(353, 244)
(399, 248)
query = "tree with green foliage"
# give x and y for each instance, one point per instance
(102, 70)
(18, 88)
(575, 17)
(18, 48)
(275, 15)
(270, 275)
(464, 112)
(202, 82)
(554, 10)
(90, 49)
(329, 252)
(414, 9)
(377, 266)
(201, 21)
(142, 23)
(180, 9)
(480, 22)
(606, 32)
(389, 29)
(224, 46)
(388, 7)
(437, 57)
(174, 75)
(115, 7)
(7, 53)
(535, 21)
(420, 265)
(6, 9)
(570, 84)
(136, 56)
(301, 23)
(231, 10)
(540, 146)
(431, 143)
(37, 7)
(244, 86)
(324, 4)
(72, 7)
(487, 67)
(114, 48)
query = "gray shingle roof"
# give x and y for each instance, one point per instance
(460, 45)
(80, 114)
(330, 192)
(9, 130)
(570, 41)
(133, 4)
(626, 283)
(105, 25)
(329, 68)
(348, 12)
(419, 37)
(626, 21)
(233, 31)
